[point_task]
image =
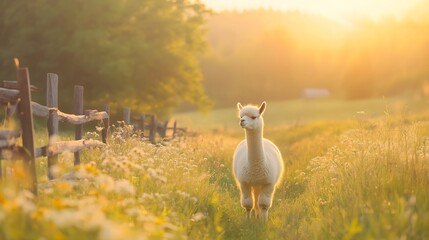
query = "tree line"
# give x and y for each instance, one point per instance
(126, 52)
(265, 54)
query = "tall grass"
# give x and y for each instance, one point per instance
(362, 179)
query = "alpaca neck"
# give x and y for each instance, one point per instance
(255, 148)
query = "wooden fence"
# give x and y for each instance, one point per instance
(152, 128)
(16, 96)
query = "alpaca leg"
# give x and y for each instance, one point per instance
(265, 200)
(256, 192)
(246, 198)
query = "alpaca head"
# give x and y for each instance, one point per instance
(251, 116)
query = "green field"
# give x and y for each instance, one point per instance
(348, 175)
(303, 111)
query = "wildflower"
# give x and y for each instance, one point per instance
(124, 187)
(58, 203)
(90, 168)
(38, 214)
(2, 199)
(63, 186)
(159, 220)
(105, 182)
(198, 217)
(111, 231)
(24, 200)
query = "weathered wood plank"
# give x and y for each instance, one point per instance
(8, 138)
(142, 124)
(26, 116)
(152, 130)
(8, 95)
(9, 142)
(78, 110)
(162, 129)
(68, 146)
(43, 111)
(52, 102)
(106, 123)
(6, 134)
(12, 153)
(10, 84)
(174, 129)
(127, 116)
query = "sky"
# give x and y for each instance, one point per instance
(334, 9)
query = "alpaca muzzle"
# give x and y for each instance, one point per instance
(242, 123)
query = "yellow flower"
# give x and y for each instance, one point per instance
(2, 199)
(89, 168)
(9, 206)
(38, 214)
(63, 186)
(58, 203)
(159, 221)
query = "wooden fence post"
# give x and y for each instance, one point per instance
(153, 128)
(26, 118)
(163, 131)
(127, 116)
(142, 124)
(174, 129)
(52, 102)
(106, 123)
(78, 110)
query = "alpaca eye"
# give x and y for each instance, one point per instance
(253, 118)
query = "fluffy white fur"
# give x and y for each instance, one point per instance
(257, 164)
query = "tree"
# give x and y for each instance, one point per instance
(125, 52)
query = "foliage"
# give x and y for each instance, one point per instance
(139, 52)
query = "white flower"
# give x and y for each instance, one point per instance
(198, 217)
(124, 187)
(24, 200)
(111, 231)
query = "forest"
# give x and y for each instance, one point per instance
(267, 54)
(133, 53)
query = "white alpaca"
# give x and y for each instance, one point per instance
(257, 164)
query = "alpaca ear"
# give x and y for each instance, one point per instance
(262, 107)
(239, 106)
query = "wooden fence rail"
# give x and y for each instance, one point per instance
(20, 99)
(16, 96)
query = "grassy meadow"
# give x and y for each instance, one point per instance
(353, 170)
